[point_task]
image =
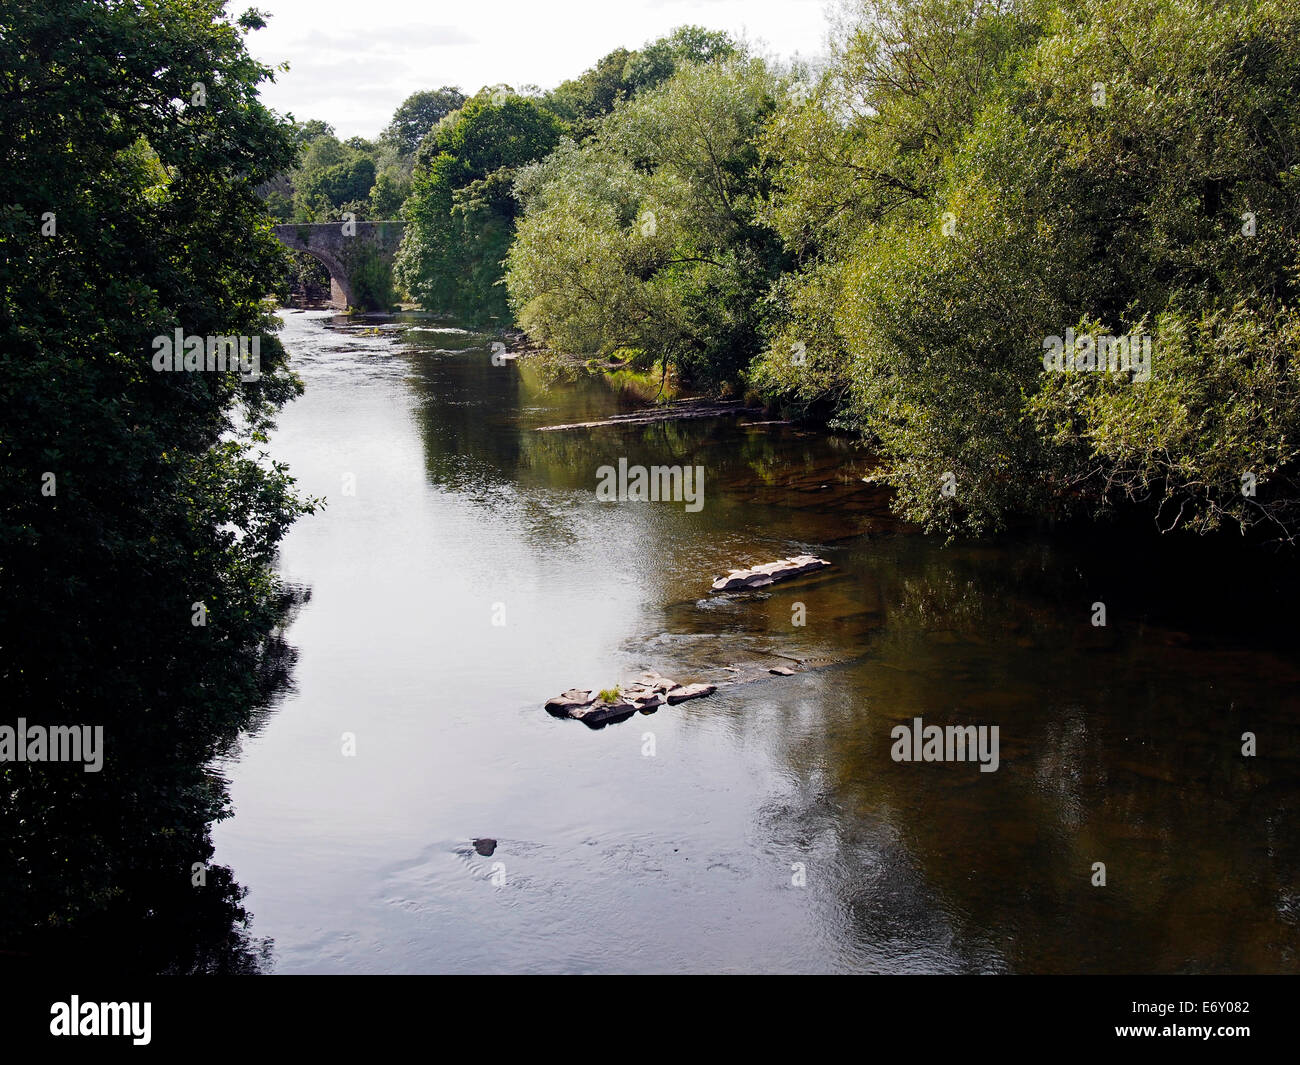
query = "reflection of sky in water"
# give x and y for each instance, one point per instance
(1119, 745)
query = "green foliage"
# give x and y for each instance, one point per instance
(967, 182)
(622, 74)
(388, 194)
(339, 184)
(418, 114)
(279, 207)
(312, 129)
(495, 129)
(594, 93)
(1224, 405)
(371, 276)
(163, 495)
(306, 275)
(644, 238)
(661, 59)
(459, 204)
(865, 146)
(333, 178)
(460, 214)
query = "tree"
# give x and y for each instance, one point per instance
(621, 74)
(865, 143)
(134, 144)
(388, 194)
(659, 60)
(418, 114)
(460, 214)
(341, 183)
(313, 128)
(593, 93)
(970, 183)
(643, 240)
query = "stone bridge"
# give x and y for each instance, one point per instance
(345, 249)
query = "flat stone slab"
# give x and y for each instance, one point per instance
(573, 699)
(584, 705)
(681, 693)
(769, 573)
(601, 713)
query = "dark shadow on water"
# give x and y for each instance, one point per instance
(109, 872)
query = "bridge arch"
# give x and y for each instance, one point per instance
(342, 248)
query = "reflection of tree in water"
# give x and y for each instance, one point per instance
(159, 925)
(1119, 745)
(97, 869)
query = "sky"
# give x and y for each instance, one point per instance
(352, 63)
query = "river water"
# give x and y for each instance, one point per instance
(464, 571)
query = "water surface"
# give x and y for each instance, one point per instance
(770, 830)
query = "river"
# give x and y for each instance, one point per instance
(464, 571)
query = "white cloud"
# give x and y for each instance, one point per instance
(351, 64)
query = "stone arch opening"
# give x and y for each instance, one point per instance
(338, 246)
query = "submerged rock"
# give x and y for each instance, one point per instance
(782, 671)
(769, 573)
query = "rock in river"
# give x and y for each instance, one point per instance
(680, 693)
(601, 713)
(581, 705)
(573, 699)
(769, 573)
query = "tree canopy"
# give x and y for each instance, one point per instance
(643, 240)
(969, 182)
(418, 114)
(460, 214)
(134, 144)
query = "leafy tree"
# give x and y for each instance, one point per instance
(659, 60)
(371, 276)
(322, 150)
(1177, 220)
(594, 93)
(866, 143)
(329, 175)
(279, 206)
(621, 74)
(312, 129)
(418, 114)
(969, 182)
(460, 214)
(341, 183)
(388, 194)
(643, 240)
(128, 495)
